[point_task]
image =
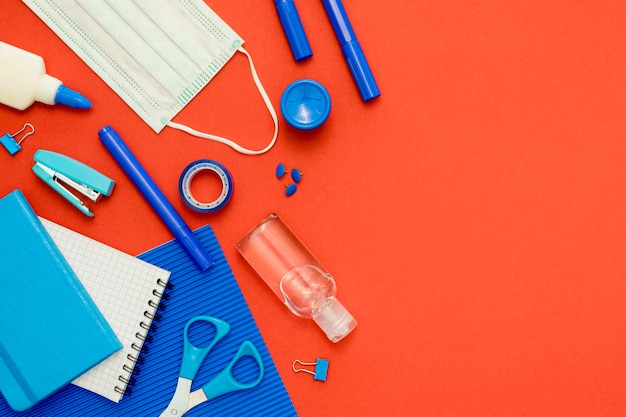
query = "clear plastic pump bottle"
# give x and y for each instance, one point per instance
(296, 276)
(23, 80)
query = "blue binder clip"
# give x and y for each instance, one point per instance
(57, 169)
(321, 368)
(12, 145)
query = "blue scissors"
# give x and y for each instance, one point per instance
(223, 383)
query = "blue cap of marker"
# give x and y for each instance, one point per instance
(292, 25)
(352, 51)
(305, 104)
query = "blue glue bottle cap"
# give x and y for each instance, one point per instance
(292, 25)
(71, 98)
(305, 104)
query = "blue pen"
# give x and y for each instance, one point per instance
(351, 49)
(142, 180)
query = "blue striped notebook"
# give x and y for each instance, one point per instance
(215, 293)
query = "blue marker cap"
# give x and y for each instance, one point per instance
(71, 98)
(292, 25)
(352, 52)
(305, 104)
(361, 72)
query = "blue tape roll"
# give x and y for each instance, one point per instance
(193, 169)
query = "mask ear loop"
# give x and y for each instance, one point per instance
(229, 142)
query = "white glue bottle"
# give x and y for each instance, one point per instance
(23, 80)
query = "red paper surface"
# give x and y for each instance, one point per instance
(474, 216)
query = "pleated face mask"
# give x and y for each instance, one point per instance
(155, 54)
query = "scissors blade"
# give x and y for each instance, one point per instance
(179, 404)
(197, 397)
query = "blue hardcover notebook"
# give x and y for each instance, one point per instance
(50, 330)
(214, 292)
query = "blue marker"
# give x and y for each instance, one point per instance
(142, 180)
(292, 25)
(351, 50)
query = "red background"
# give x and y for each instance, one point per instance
(474, 216)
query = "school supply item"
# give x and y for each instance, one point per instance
(50, 329)
(155, 54)
(58, 170)
(290, 189)
(153, 194)
(305, 104)
(320, 371)
(296, 176)
(280, 170)
(296, 276)
(11, 144)
(214, 292)
(292, 25)
(224, 382)
(195, 168)
(127, 291)
(23, 80)
(352, 51)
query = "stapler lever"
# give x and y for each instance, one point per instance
(58, 170)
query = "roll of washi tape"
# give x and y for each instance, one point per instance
(193, 169)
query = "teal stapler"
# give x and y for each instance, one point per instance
(58, 170)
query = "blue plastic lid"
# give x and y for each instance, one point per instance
(305, 104)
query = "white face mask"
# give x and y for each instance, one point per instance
(155, 54)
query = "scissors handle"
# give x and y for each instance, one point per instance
(194, 355)
(225, 382)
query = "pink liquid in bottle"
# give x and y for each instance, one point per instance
(296, 276)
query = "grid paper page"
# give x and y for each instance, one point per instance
(127, 291)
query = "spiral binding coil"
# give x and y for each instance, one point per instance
(144, 338)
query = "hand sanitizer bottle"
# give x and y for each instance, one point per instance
(296, 276)
(23, 80)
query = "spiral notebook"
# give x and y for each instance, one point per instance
(51, 330)
(126, 290)
(192, 292)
